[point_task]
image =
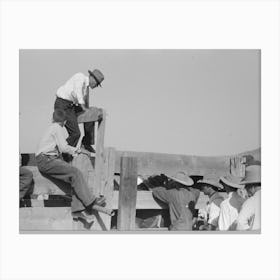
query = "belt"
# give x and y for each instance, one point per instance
(68, 102)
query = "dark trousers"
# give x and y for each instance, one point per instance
(59, 169)
(72, 126)
(25, 182)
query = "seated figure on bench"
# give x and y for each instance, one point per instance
(72, 97)
(50, 164)
(177, 193)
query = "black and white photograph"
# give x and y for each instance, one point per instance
(140, 140)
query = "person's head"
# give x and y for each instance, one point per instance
(232, 184)
(252, 188)
(59, 116)
(252, 179)
(181, 180)
(95, 78)
(207, 189)
(209, 184)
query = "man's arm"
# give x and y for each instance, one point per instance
(80, 88)
(61, 142)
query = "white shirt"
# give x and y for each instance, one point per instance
(249, 217)
(54, 142)
(228, 215)
(213, 209)
(75, 89)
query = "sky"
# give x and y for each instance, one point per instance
(192, 102)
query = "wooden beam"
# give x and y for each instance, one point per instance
(127, 194)
(145, 200)
(91, 115)
(107, 184)
(237, 166)
(100, 156)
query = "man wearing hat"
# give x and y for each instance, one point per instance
(181, 200)
(72, 97)
(249, 217)
(231, 206)
(211, 187)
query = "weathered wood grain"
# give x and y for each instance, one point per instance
(127, 194)
(100, 155)
(91, 115)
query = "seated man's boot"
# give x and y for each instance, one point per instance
(89, 218)
(88, 148)
(100, 201)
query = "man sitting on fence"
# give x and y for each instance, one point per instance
(180, 197)
(50, 164)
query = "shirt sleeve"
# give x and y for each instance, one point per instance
(214, 213)
(245, 215)
(224, 217)
(61, 143)
(79, 88)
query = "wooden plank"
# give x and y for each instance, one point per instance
(86, 166)
(44, 185)
(153, 163)
(127, 194)
(39, 219)
(91, 115)
(144, 200)
(100, 156)
(237, 166)
(107, 184)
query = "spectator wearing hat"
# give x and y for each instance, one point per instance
(231, 206)
(50, 165)
(181, 198)
(249, 217)
(211, 187)
(72, 97)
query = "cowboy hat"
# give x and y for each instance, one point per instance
(211, 181)
(231, 181)
(97, 75)
(252, 175)
(182, 178)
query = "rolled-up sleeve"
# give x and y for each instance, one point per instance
(61, 143)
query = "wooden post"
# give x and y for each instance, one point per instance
(237, 166)
(100, 157)
(127, 194)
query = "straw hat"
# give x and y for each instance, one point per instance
(182, 178)
(211, 181)
(252, 175)
(97, 75)
(231, 181)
